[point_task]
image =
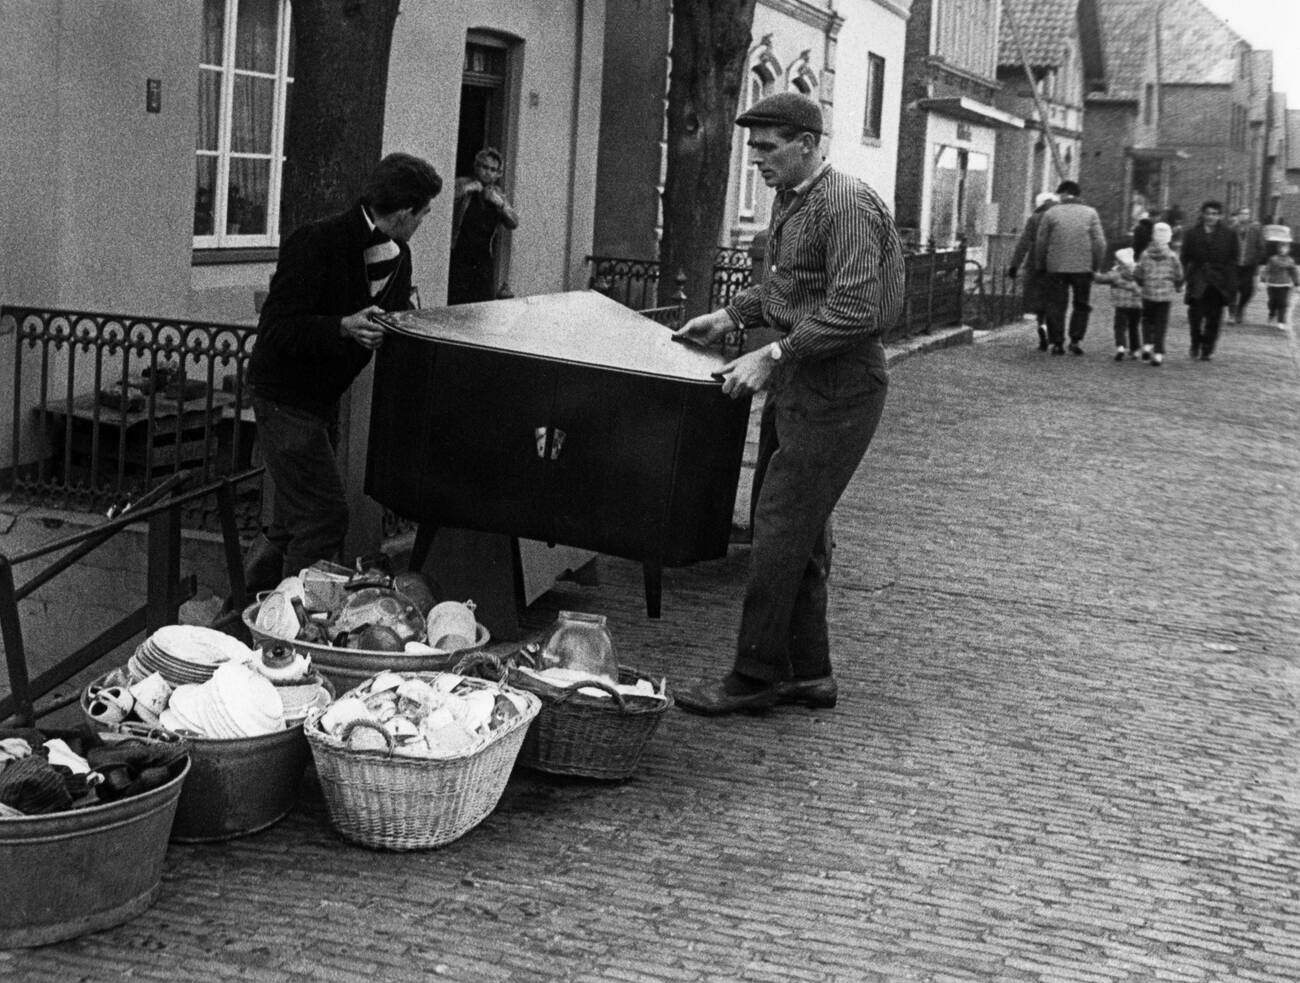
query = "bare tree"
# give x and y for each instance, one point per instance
(335, 129)
(710, 44)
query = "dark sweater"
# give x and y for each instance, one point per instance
(300, 357)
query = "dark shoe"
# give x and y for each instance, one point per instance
(1119, 354)
(1058, 349)
(1042, 338)
(713, 697)
(1195, 352)
(1205, 358)
(1075, 349)
(820, 691)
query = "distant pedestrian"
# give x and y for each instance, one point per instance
(1161, 276)
(1209, 257)
(1070, 247)
(479, 211)
(1280, 275)
(1126, 297)
(1142, 234)
(1250, 254)
(1034, 285)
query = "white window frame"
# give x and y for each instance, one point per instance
(219, 239)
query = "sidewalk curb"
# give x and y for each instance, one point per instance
(961, 334)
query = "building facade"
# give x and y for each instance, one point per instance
(949, 124)
(846, 56)
(1049, 57)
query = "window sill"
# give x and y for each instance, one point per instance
(248, 254)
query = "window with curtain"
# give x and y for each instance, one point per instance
(245, 71)
(761, 82)
(873, 120)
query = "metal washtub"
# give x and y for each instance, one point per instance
(69, 873)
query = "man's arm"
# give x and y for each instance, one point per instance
(1098, 240)
(291, 319)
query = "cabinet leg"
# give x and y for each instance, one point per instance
(653, 571)
(424, 534)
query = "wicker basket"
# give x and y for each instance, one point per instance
(588, 736)
(383, 800)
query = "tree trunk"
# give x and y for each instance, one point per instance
(335, 133)
(709, 50)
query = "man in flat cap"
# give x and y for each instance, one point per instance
(832, 285)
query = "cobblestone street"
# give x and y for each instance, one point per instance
(1066, 623)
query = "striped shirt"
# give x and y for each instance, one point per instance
(834, 275)
(382, 255)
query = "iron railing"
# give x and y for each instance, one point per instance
(934, 292)
(162, 508)
(106, 406)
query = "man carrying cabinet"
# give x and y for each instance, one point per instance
(316, 333)
(833, 285)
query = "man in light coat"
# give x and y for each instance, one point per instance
(1069, 248)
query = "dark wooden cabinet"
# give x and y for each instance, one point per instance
(566, 418)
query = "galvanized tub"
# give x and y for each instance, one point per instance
(348, 668)
(70, 873)
(237, 785)
(240, 785)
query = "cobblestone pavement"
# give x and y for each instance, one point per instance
(1067, 630)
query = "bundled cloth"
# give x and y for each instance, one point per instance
(40, 774)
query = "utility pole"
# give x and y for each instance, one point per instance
(1039, 105)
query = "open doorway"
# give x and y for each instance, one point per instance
(484, 91)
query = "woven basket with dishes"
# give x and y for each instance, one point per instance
(596, 716)
(409, 761)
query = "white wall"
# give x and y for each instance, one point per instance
(868, 28)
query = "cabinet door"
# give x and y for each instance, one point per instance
(455, 428)
(611, 478)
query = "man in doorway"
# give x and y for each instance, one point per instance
(833, 287)
(1250, 255)
(1209, 255)
(1069, 248)
(315, 335)
(479, 211)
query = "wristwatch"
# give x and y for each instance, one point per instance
(775, 351)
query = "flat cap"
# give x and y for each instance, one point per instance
(783, 109)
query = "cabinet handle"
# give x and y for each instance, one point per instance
(557, 441)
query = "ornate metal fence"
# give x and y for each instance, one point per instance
(106, 406)
(935, 294)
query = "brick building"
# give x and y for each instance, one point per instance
(1058, 44)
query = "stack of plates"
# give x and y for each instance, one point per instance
(185, 654)
(235, 702)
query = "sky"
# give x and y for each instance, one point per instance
(1273, 25)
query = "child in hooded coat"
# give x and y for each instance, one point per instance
(1161, 275)
(1126, 296)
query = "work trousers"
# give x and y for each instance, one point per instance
(1128, 328)
(1060, 287)
(309, 506)
(1204, 318)
(1245, 289)
(815, 430)
(1155, 322)
(1278, 299)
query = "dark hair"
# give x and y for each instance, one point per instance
(1070, 188)
(1216, 205)
(789, 132)
(400, 181)
(489, 153)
